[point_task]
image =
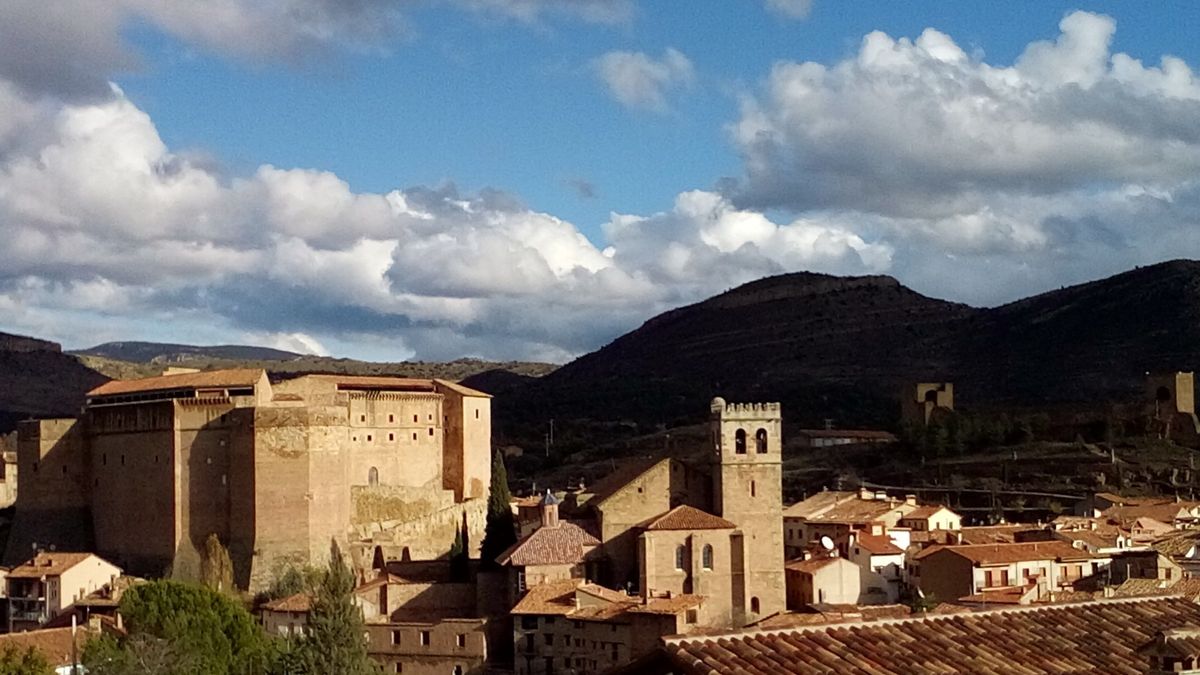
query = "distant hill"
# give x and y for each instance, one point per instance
(158, 352)
(841, 348)
(38, 380)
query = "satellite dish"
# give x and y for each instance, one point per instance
(826, 543)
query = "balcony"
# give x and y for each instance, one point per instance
(37, 616)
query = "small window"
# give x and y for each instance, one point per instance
(370, 438)
(753, 490)
(64, 469)
(414, 435)
(373, 477)
(122, 460)
(760, 441)
(104, 459)
(362, 418)
(528, 622)
(391, 418)
(395, 637)
(415, 419)
(430, 431)
(391, 437)
(35, 467)
(739, 442)
(754, 606)
(477, 413)
(549, 638)
(425, 638)
(399, 667)
(691, 617)
(461, 640)
(706, 557)
(680, 554)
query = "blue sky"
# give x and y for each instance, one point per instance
(281, 173)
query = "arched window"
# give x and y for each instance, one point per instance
(680, 553)
(760, 441)
(739, 442)
(706, 557)
(754, 607)
(373, 477)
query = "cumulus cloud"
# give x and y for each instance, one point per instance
(101, 217)
(69, 48)
(961, 163)
(791, 9)
(638, 80)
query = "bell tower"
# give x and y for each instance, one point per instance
(748, 491)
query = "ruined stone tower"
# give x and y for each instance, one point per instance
(747, 490)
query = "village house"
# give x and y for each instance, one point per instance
(574, 627)
(880, 559)
(49, 584)
(61, 647)
(286, 617)
(826, 438)
(952, 572)
(823, 579)
(837, 515)
(931, 517)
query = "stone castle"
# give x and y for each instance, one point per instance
(276, 470)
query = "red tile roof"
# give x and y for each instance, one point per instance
(47, 564)
(300, 602)
(561, 545)
(686, 517)
(996, 554)
(1094, 637)
(212, 379)
(878, 544)
(812, 564)
(923, 512)
(53, 643)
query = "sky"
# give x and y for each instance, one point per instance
(529, 179)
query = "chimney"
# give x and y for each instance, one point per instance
(911, 500)
(549, 510)
(865, 494)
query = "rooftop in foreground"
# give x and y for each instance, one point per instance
(1093, 637)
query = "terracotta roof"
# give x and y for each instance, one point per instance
(1167, 512)
(558, 598)
(234, 377)
(1094, 637)
(625, 473)
(672, 605)
(924, 512)
(853, 511)
(462, 389)
(878, 544)
(996, 554)
(812, 564)
(1093, 538)
(47, 564)
(818, 503)
(561, 545)
(686, 517)
(991, 534)
(1183, 642)
(1177, 544)
(53, 643)
(300, 602)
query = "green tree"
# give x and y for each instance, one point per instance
(500, 531)
(216, 567)
(14, 661)
(291, 580)
(178, 622)
(335, 642)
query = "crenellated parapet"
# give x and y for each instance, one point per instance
(744, 411)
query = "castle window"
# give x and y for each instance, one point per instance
(680, 552)
(425, 638)
(414, 419)
(391, 437)
(395, 637)
(706, 558)
(477, 413)
(362, 418)
(64, 468)
(373, 477)
(391, 418)
(754, 606)
(739, 442)
(430, 431)
(753, 490)
(370, 438)
(760, 441)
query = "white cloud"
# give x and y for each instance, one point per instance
(638, 80)
(792, 9)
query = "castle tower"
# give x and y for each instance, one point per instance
(919, 402)
(748, 490)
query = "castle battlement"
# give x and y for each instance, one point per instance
(744, 411)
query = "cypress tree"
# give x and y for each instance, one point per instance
(335, 642)
(500, 531)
